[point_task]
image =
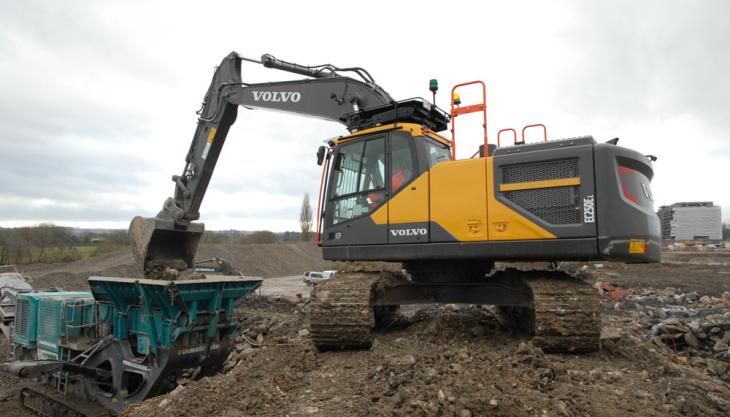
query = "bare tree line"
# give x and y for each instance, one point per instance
(47, 242)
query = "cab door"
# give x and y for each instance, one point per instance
(357, 189)
(408, 206)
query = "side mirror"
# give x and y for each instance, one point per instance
(320, 155)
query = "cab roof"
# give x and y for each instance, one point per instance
(414, 129)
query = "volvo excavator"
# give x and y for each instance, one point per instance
(393, 190)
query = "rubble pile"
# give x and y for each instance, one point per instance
(697, 327)
(168, 269)
(255, 329)
(446, 360)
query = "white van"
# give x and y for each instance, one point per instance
(313, 277)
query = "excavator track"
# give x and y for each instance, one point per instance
(566, 313)
(48, 402)
(342, 314)
(564, 316)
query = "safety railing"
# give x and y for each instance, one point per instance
(499, 134)
(544, 132)
(457, 109)
(514, 134)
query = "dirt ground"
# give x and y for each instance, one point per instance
(264, 260)
(440, 361)
(664, 354)
(703, 272)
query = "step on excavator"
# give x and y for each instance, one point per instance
(392, 190)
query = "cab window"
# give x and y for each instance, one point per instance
(401, 161)
(437, 152)
(359, 179)
(347, 169)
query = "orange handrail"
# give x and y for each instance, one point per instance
(544, 131)
(320, 200)
(509, 129)
(455, 111)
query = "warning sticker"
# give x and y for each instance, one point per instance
(637, 246)
(211, 137)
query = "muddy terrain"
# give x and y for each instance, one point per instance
(666, 331)
(453, 360)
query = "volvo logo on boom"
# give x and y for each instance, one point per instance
(277, 96)
(409, 232)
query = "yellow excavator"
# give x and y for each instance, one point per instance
(392, 190)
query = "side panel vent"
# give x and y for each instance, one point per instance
(48, 322)
(21, 318)
(540, 171)
(557, 205)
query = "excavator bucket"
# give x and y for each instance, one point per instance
(158, 244)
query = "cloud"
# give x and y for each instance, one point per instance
(98, 98)
(655, 59)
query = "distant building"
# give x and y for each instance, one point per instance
(691, 221)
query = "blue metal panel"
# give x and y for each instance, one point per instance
(161, 310)
(61, 320)
(26, 311)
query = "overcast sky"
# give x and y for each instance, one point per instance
(97, 99)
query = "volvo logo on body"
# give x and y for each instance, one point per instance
(277, 96)
(409, 232)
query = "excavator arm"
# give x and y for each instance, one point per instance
(170, 239)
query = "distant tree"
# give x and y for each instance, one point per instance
(48, 235)
(4, 233)
(118, 237)
(19, 245)
(305, 219)
(261, 236)
(290, 236)
(210, 236)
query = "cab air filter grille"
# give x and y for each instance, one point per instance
(540, 171)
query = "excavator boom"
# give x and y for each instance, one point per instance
(170, 239)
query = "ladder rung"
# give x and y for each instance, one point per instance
(468, 109)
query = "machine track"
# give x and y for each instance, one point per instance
(566, 314)
(342, 314)
(48, 402)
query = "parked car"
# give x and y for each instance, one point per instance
(313, 277)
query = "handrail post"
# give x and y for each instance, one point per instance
(509, 129)
(544, 131)
(455, 111)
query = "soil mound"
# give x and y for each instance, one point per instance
(264, 260)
